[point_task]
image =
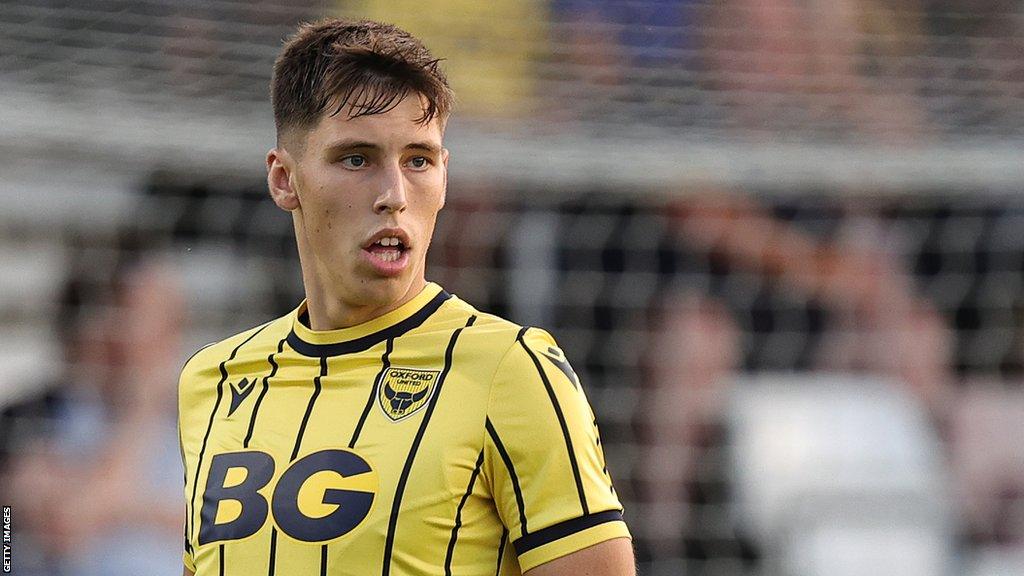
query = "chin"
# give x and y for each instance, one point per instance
(383, 290)
(392, 289)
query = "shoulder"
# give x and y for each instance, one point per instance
(502, 341)
(259, 339)
(486, 325)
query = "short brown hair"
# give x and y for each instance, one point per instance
(369, 66)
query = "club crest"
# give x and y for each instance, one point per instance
(403, 391)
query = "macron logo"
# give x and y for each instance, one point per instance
(558, 359)
(239, 392)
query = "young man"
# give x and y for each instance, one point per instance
(384, 426)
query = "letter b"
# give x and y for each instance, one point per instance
(259, 469)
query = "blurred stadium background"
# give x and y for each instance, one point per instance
(782, 242)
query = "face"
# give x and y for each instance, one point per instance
(364, 195)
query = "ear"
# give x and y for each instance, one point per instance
(444, 187)
(280, 167)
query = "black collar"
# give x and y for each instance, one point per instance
(370, 340)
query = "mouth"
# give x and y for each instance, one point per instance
(388, 249)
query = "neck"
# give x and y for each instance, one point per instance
(329, 310)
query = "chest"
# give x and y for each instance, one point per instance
(332, 444)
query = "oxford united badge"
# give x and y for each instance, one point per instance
(403, 391)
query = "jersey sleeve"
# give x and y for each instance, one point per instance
(542, 456)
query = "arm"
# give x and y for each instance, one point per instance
(885, 325)
(609, 558)
(842, 275)
(544, 466)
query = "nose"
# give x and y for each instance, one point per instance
(392, 197)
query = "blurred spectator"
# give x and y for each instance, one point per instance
(95, 490)
(786, 64)
(617, 51)
(685, 482)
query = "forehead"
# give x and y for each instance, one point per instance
(394, 128)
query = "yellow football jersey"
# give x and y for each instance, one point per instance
(432, 440)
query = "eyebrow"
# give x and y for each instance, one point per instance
(428, 146)
(351, 144)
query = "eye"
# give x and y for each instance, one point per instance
(354, 161)
(419, 162)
